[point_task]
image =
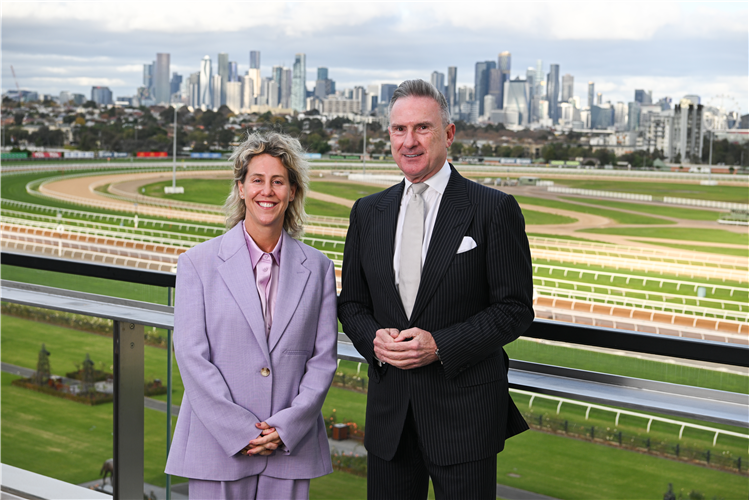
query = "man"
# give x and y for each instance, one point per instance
(436, 279)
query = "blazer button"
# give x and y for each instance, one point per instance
(265, 372)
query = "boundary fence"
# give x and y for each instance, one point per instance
(602, 194)
(705, 203)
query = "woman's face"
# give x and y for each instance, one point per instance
(266, 193)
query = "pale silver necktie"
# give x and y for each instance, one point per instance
(412, 239)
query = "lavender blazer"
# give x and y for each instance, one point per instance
(220, 346)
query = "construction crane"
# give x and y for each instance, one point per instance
(15, 79)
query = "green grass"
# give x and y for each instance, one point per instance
(533, 217)
(620, 217)
(735, 194)
(13, 187)
(338, 485)
(344, 189)
(738, 252)
(661, 210)
(22, 339)
(348, 405)
(677, 233)
(327, 209)
(206, 191)
(529, 350)
(567, 468)
(70, 441)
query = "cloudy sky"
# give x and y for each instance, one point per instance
(671, 48)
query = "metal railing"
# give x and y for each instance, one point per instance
(130, 316)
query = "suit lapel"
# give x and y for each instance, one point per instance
(383, 239)
(236, 271)
(453, 218)
(293, 279)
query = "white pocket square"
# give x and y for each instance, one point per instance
(467, 244)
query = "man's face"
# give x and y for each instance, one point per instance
(418, 140)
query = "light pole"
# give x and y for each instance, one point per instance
(364, 148)
(174, 189)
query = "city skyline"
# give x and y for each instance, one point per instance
(651, 54)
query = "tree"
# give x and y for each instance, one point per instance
(487, 149)
(18, 118)
(517, 151)
(456, 149)
(90, 104)
(338, 122)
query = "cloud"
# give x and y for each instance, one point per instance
(129, 68)
(80, 81)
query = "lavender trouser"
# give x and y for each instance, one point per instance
(250, 488)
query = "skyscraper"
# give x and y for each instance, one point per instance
(299, 83)
(234, 96)
(644, 97)
(504, 63)
(103, 96)
(322, 73)
(552, 92)
(148, 76)
(206, 72)
(194, 90)
(591, 94)
(516, 99)
(481, 82)
(254, 59)
(386, 92)
(175, 83)
(223, 72)
(452, 87)
(495, 89)
(217, 83)
(568, 87)
(286, 82)
(233, 71)
(248, 91)
(438, 81)
(161, 79)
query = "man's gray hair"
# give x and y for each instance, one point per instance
(420, 88)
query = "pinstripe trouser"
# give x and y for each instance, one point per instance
(407, 475)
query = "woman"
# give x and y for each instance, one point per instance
(255, 336)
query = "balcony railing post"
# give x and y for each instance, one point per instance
(168, 395)
(128, 410)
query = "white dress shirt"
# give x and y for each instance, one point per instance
(432, 198)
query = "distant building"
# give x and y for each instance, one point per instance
(602, 117)
(495, 89)
(234, 96)
(504, 64)
(161, 83)
(692, 98)
(591, 94)
(175, 83)
(688, 131)
(223, 73)
(516, 100)
(452, 86)
(481, 82)
(254, 59)
(193, 88)
(621, 115)
(568, 87)
(217, 84)
(644, 97)
(248, 92)
(386, 92)
(633, 116)
(657, 134)
(552, 92)
(299, 83)
(438, 81)
(322, 73)
(233, 71)
(206, 76)
(101, 95)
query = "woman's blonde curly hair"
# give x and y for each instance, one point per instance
(290, 152)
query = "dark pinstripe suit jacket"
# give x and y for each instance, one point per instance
(473, 303)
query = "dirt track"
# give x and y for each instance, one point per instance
(85, 188)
